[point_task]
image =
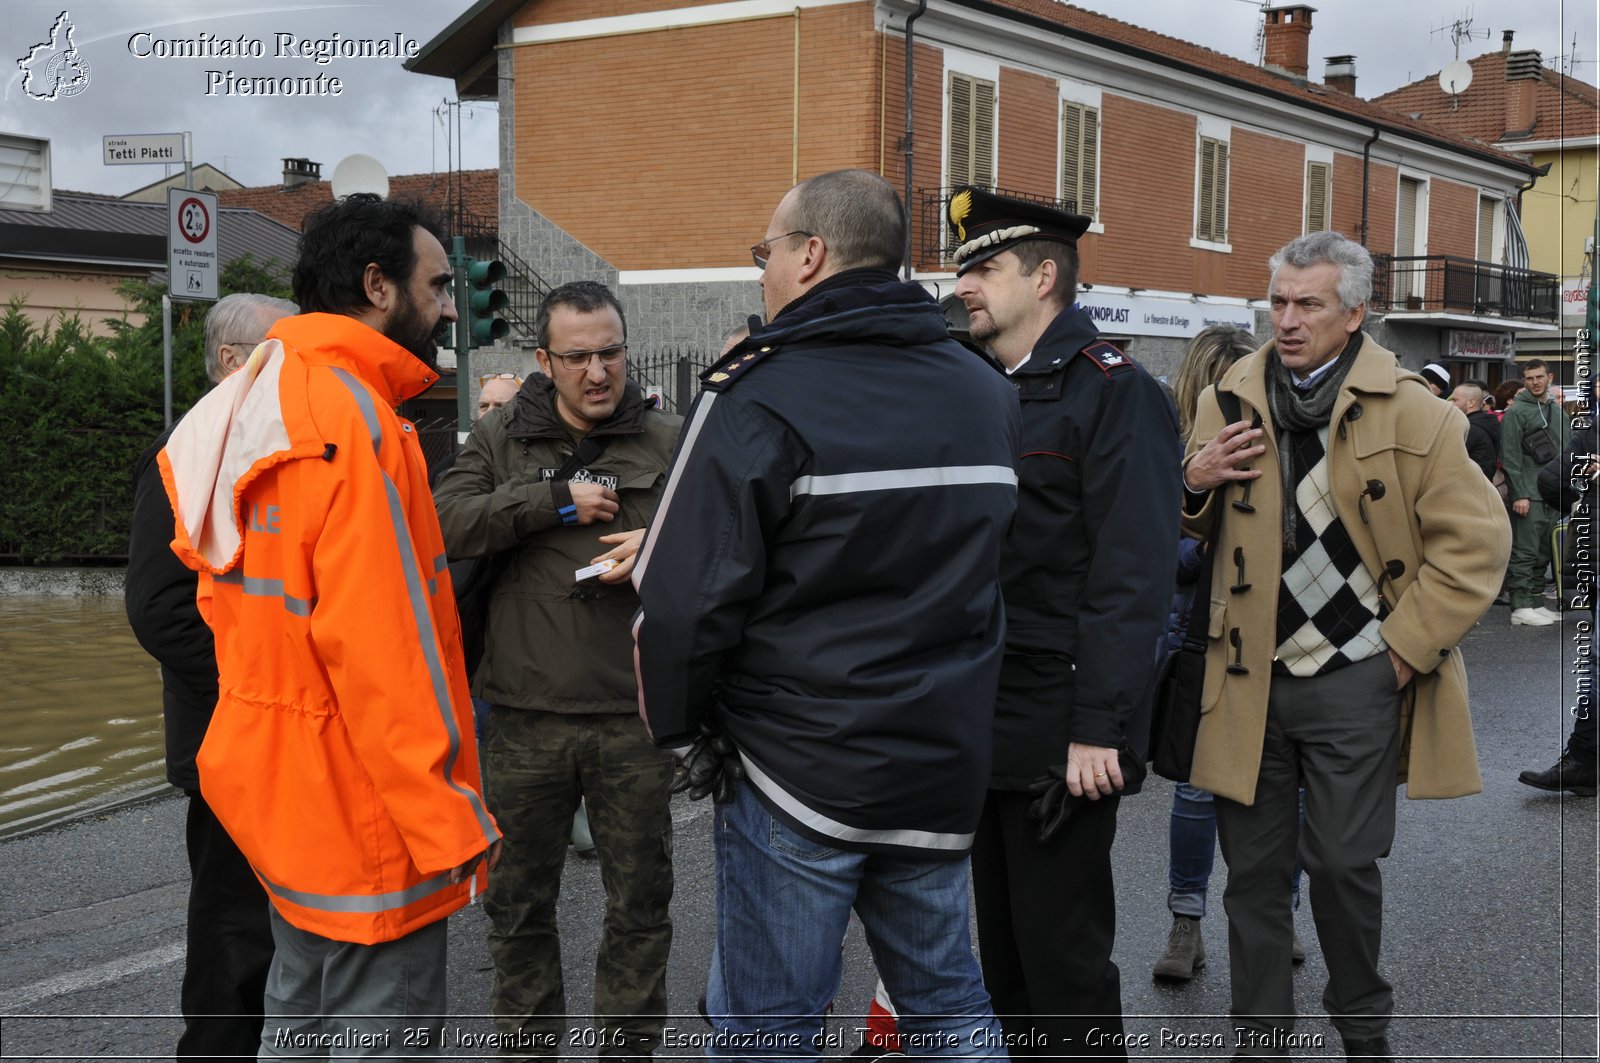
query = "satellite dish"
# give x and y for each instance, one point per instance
(363, 173)
(1453, 79)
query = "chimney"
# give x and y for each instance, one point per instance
(1505, 41)
(1522, 77)
(1340, 74)
(1288, 39)
(299, 171)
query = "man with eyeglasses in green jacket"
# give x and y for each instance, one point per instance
(565, 477)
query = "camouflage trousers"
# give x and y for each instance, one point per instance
(539, 765)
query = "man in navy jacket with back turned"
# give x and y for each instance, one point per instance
(820, 588)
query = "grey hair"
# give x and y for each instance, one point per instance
(241, 318)
(857, 215)
(1313, 249)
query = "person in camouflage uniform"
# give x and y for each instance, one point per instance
(566, 475)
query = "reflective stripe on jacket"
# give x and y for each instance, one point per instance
(341, 756)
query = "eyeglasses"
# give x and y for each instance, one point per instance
(763, 251)
(577, 361)
(484, 380)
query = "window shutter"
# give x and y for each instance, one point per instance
(1318, 178)
(1211, 222)
(1089, 194)
(1485, 229)
(983, 133)
(1405, 236)
(1079, 155)
(1071, 150)
(1219, 209)
(972, 122)
(960, 146)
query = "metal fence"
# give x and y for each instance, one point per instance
(673, 373)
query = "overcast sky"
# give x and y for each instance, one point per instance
(390, 114)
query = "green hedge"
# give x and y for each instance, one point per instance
(77, 411)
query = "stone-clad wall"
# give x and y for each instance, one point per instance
(692, 316)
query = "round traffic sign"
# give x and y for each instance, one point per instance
(194, 221)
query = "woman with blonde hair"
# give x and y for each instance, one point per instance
(1213, 350)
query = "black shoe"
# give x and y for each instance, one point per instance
(1574, 774)
(1370, 1049)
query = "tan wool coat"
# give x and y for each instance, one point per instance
(1434, 537)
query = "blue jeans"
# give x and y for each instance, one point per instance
(1192, 844)
(783, 902)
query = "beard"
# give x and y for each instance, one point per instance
(410, 328)
(982, 332)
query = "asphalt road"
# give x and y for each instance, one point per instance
(1491, 928)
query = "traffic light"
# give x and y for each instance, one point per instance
(481, 306)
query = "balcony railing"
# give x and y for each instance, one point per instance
(1455, 285)
(933, 246)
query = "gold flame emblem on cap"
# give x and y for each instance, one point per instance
(960, 207)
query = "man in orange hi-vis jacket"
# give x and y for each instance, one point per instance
(341, 756)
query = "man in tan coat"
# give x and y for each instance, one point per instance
(1357, 546)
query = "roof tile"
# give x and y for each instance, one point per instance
(1092, 26)
(480, 192)
(1563, 106)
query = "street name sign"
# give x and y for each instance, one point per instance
(142, 148)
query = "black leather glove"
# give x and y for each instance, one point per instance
(1053, 802)
(711, 766)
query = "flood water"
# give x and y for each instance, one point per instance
(81, 726)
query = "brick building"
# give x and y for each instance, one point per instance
(647, 141)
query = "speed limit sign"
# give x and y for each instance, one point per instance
(192, 262)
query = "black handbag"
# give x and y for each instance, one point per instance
(1175, 716)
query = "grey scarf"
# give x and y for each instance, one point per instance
(1294, 410)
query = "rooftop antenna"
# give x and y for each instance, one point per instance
(1569, 61)
(1461, 30)
(1455, 78)
(1261, 27)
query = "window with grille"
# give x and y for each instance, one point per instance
(1080, 157)
(1319, 196)
(970, 155)
(1211, 219)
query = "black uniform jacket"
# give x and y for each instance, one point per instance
(1090, 563)
(822, 578)
(159, 594)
